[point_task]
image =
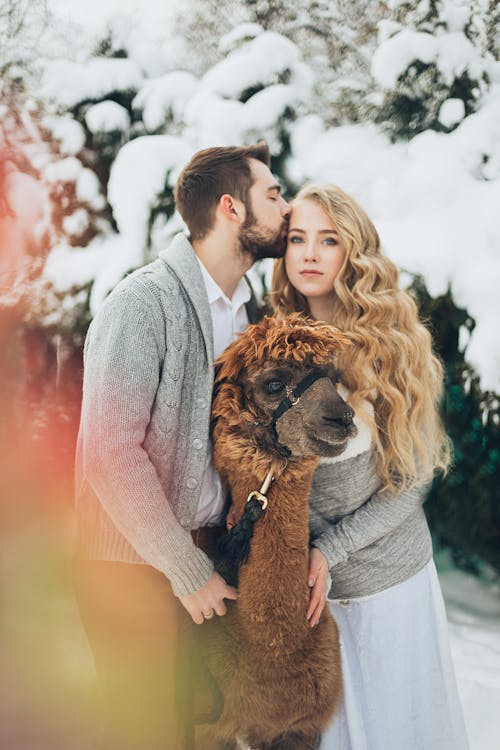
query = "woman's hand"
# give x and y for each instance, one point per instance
(317, 580)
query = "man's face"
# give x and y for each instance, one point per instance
(263, 234)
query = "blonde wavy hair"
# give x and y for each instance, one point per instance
(389, 360)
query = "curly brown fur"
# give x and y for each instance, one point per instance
(280, 678)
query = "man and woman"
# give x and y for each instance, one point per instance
(149, 503)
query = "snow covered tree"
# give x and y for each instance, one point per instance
(22, 26)
(335, 38)
(127, 134)
(463, 508)
(431, 64)
(201, 25)
(493, 29)
(122, 123)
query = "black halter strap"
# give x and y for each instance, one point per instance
(292, 397)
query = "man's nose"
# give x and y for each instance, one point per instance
(285, 208)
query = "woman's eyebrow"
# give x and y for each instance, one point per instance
(320, 231)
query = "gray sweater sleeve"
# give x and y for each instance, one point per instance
(377, 517)
(123, 358)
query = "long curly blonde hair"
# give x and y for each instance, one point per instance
(390, 361)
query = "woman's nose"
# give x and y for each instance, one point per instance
(310, 251)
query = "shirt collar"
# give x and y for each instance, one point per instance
(241, 294)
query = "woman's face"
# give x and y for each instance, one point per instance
(314, 252)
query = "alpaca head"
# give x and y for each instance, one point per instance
(259, 376)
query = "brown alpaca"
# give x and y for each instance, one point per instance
(280, 679)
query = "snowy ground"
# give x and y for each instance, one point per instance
(474, 619)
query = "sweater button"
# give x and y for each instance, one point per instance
(191, 483)
(197, 443)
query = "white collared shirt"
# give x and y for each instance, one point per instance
(229, 317)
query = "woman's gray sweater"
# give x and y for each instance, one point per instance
(372, 540)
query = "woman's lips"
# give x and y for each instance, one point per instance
(308, 272)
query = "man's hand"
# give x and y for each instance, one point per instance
(231, 518)
(317, 580)
(209, 600)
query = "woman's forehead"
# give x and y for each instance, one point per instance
(306, 211)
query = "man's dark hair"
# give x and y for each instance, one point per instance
(210, 174)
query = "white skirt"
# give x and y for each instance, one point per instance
(400, 690)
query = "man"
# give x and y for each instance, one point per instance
(148, 499)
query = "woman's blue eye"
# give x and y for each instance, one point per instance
(274, 386)
(330, 241)
(295, 239)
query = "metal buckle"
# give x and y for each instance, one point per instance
(258, 496)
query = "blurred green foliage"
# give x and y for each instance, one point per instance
(463, 508)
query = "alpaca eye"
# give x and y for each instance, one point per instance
(274, 386)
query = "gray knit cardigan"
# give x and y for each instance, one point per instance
(144, 432)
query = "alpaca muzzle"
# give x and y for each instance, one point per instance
(292, 398)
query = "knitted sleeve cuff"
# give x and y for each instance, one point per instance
(330, 546)
(192, 575)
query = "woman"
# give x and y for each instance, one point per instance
(371, 545)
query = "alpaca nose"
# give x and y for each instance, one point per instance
(345, 419)
(348, 416)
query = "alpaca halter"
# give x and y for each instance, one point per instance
(260, 494)
(292, 398)
(234, 548)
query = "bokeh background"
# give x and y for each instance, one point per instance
(101, 104)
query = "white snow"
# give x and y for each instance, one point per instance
(67, 131)
(455, 54)
(473, 609)
(139, 172)
(65, 170)
(104, 261)
(258, 62)
(68, 83)
(165, 96)
(214, 121)
(457, 14)
(68, 267)
(88, 189)
(393, 56)
(76, 223)
(451, 112)
(106, 117)
(452, 53)
(241, 33)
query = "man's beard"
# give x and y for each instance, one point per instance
(258, 242)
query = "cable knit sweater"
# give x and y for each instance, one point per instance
(372, 540)
(144, 427)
